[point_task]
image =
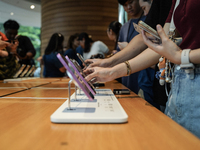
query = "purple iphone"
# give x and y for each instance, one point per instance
(74, 78)
(82, 78)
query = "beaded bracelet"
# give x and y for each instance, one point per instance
(128, 68)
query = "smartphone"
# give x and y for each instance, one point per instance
(81, 84)
(98, 84)
(82, 60)
(121, 91)
(75, 63)
(150, 32)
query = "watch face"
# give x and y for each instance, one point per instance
(76, 79)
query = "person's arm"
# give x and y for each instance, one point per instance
(122, 45)
(3, 44)
(146, 59)
(170, 50)
(135, 47)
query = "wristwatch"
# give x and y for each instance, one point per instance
(185, 62)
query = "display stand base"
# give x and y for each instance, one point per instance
(105, 108)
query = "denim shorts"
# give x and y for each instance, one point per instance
(183, 104)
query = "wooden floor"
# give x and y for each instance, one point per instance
(26, 107)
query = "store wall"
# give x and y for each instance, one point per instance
(76, 16)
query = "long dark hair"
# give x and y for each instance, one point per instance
(71, 40)
(115, 26)
(88, 40)
(55, 43)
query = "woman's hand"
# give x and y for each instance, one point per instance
(3, 44)
(97, 63)
(12, 47)
(99, 74)
(167, 49)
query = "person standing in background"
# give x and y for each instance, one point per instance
(25, 50)
(136, 53)
(72, 45)
(126, 34)
(145, 5)
(113, 33)
(93, 49)
(8, 63)
(52, 66)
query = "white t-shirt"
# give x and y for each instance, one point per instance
(97, 47)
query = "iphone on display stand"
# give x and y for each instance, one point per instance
(73, 77)
(150, 32)
(82, 60)
(82, 73)
(80, 76)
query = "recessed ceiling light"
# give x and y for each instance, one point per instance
(32, 6)
(12, 13)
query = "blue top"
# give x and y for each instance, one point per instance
(126, 34)
(127, 31)
(139, 80)
(72, 54)
(52, 65)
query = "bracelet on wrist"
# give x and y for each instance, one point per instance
(128, 68)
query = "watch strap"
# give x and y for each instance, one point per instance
(185, 56)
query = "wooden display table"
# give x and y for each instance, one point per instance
(25, 124)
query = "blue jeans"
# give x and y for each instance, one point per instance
(183, 104)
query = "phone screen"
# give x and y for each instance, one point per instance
(150, 32)
(82, 73)
(82, 60)
(80, 76)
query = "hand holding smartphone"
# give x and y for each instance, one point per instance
(150, 32)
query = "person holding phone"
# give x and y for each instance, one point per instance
(8, 62)
(25, 50)
(183, 104)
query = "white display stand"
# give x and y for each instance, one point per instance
(105, 108)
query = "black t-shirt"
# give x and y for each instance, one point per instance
(25, 46)
(158, 15)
